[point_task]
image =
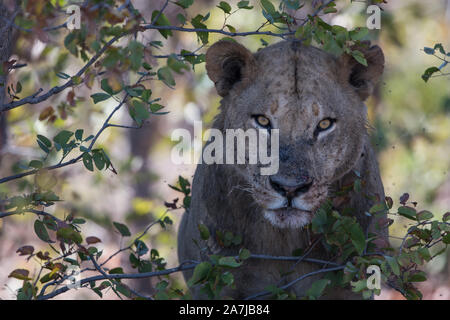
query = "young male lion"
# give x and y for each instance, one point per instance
(317, 102)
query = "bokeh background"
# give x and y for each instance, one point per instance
(411, 121)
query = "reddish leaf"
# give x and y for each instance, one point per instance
(92, 240)
(20, 274)
(25, 250)
(404, 198)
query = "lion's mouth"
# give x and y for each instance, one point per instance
(290, 211)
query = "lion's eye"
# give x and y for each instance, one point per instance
(262, 121)
(325, 124)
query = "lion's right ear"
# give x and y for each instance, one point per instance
(227, 63)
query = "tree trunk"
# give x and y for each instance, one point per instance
(6, 46)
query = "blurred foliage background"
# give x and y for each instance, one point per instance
(410, 119)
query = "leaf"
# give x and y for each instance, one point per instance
(63, 137)
(229, 262)
(201, 272)
(139, 112)
(92, 240)
(428, 50)
(20, 274)
(79, 134)
(244, 5)
(35, 164)
(268, 6)
(358, 238)
(440, 47)
(407, 212)
(25, 250)
(244, 254)
(123, 229)
(46, 113)
(317, 288)
(41, 231)
(69, 234)
(359, 56)
(98, 159)
(165, 75)
(446, 217)
(204, 232)
(417, 277)
(225, 7)
(404, 198)
(87, 161)
(97, 97)
(424, 215)
(162, 21)
(392, 261)
(197, 22)
(429, 72)
(184, 3)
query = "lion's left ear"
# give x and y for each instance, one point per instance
(227, 64)
(363, 79)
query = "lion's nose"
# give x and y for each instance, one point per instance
(290, 188)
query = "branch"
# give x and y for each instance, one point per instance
(36, 212)
(181, 267)
(265, 293)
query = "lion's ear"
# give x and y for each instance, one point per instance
(227, 63)
(363, 79)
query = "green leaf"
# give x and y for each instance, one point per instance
(165, 75)
(123, 229)
(407, 212)
(359, 34)
(392, 261)
(35, 164)
(63, 137)
(44, 142)
(244, 254)
(359, 56)
(424, 215)
(197, 22)
(204, 232)
(224, 6)
(229, 262)
(244, 5)
(358, 238)
(41, 231)
(98, 97)
(429, 72)
(268, 6)
(79, 134)
(139, 112)
(317, 288)
(162, 21)
(417, 277)
(184, 3)
(176, 65)
(68, 233)
(440, 47)
(201, 272)
(98, 159)
(87, 161)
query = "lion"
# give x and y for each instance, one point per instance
(316, 100)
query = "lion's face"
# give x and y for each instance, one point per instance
(316, 103)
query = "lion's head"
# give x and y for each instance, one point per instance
(316, 102)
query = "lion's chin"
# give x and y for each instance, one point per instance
(292, 218)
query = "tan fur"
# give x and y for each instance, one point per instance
(296, 87)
